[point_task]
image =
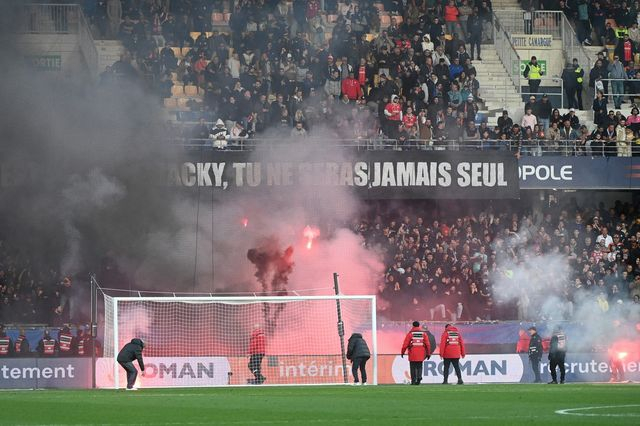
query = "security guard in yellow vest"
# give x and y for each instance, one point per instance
(579, 72)
(621, 32)
(533, 72)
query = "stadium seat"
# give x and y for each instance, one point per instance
(227, 16)
(170, 103)
(208, 34)
(177, 52)
(385, 20)
(194, 35)
(190, 90)
(185, 51)
(177, 90)
(399, 19)
(218, 18)
(174, 76)
(182, 102)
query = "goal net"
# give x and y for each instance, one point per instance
(221, 341)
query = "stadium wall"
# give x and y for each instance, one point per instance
(53, 53)
(39, 373)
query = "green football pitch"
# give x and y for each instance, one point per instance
(329, 405)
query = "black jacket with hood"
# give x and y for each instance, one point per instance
(132, 351)
(357, 347)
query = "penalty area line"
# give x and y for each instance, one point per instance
(579, 411)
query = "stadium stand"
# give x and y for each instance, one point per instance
(447, 265)
(378, 71)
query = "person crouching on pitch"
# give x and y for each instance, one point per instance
(257, 350)
(130, 352)
(417, 342)
(451, 350)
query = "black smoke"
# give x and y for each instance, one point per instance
(273, 267)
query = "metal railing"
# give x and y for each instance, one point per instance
(537, 22)
(508, 56)
(624, 93)
(87, 45)
(50, 18)
(538, 95)
(533, 147)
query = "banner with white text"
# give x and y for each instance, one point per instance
(372, 174)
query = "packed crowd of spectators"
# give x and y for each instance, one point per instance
(291, 66)
(31, 293)
(443, 265)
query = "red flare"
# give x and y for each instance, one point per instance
(310, 233)
(245, 222)
(622, 355)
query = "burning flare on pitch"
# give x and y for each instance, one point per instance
(245, 222)
(310, 233)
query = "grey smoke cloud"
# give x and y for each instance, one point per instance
(93, 158)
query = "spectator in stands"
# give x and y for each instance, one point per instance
(505, 123)
(625, 50)
(451, 17)
(598, 21)
(599, 108)
(544, 112)
(553, 138)
(599, 74)
(298, 131)
(529, 121)
(568, 135)
(617, 74)
(219, 134)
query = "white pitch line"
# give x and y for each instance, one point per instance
(575, 411)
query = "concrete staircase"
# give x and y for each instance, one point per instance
(496, 88)
(109, 51)
(505, 4)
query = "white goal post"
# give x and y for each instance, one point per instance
(209, 341)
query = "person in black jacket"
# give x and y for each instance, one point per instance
(557, 352)
(432, 340)
(535, 353)
(130, 352)
(358, 352)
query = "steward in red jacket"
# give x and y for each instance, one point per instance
(417, 343)
(451, 350)
(257, 349)
(351, 87)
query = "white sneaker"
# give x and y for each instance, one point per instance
(129, 389)
(357, 383)
(364, 384)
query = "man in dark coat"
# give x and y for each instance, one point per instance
(130, 352)
(557, 353)
(358, 352)
(535, 353)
